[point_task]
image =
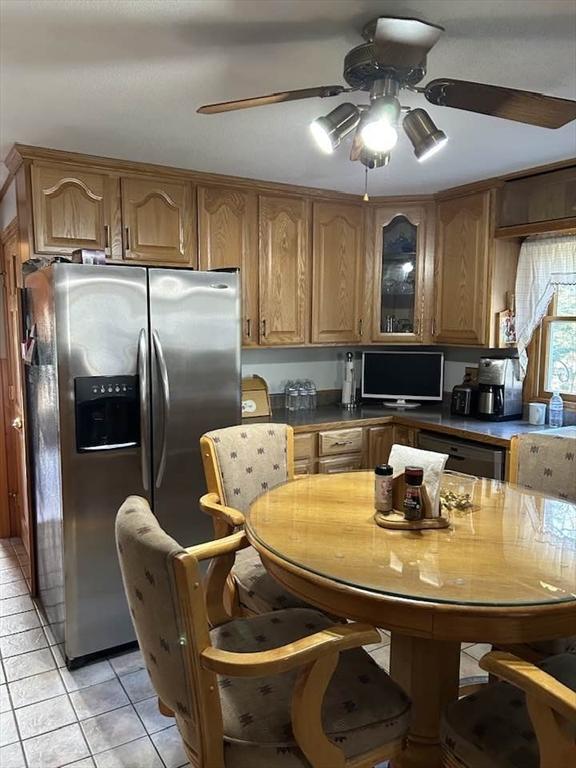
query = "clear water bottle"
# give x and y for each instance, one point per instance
(287, 388)
(312, 394)
(555, 410)
(303, 399)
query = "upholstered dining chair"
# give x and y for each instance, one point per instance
(278, 690)
(528, 721)
(239, 464)
(545, 461)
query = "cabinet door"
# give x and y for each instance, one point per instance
(462, 265)
(400, 244)
(337, 272)
(284, 270)
(304, 445)
(330, 465)
(72, 208)
(380, 440)
(158, 220)
(227, 237)
(405, 435)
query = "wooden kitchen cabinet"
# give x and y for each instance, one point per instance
(330, 465)
(158, 220)
(462, 263)
(337, 441)
(228, 237)
(304, 445)
(474, 271)
(337, 273)
(405, 435)
(402, 250)
(72, 208)
(380, 441)
(305, 466)
(284, 270)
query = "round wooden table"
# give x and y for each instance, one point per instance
(503, 572)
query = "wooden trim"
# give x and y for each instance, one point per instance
(6, 185)
(512, 462)
(23, 152)
(290, 452)
(9, 231)
(532, 680)
(340, 637)
(566, 226)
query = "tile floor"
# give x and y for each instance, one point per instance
(103, 715)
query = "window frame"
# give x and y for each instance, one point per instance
(539, 351)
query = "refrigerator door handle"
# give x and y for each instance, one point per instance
(144, 413)
(163, 372)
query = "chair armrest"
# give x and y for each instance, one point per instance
(262, 663)
(533, 681)
(210, 503)
(219, 547)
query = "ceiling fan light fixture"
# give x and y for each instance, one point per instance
(328, 131)
(425, 136)
(379, 132)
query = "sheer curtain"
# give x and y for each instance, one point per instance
(544, 263)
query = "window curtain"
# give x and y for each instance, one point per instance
(544, 263)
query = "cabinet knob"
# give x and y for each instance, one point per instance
(17, 423)
(248, 328)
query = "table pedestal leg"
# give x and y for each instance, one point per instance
(428, 670)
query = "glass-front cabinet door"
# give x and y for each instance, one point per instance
(399, 275)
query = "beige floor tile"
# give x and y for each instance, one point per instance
(47, 750)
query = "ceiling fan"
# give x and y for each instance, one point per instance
(393, 58)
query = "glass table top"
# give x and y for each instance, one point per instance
(513, 547)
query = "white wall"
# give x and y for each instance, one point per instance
(324, 365)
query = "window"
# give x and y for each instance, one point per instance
(557, 346)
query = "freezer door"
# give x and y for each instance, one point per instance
(102, 347)
(195, 329)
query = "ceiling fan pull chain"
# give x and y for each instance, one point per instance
(366, 199)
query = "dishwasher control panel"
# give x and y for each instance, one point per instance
(466, 456)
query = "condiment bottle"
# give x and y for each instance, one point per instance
(383, 488)
(413, 506)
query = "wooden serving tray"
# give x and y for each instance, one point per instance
(396, 520)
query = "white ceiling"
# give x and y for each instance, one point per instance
(124, 78)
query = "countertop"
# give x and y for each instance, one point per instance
(434, 419)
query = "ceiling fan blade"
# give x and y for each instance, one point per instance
(357, 144)
(508, 103)
(403, 42)
(273, 98)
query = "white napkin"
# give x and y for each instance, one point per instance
(402, 456)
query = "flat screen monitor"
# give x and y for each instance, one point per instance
(402, 377)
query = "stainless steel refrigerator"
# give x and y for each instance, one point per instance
(127, 367)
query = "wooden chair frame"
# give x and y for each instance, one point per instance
(315, 656)
(551, 706)
(226, 521)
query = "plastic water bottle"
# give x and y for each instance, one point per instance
(555, 410)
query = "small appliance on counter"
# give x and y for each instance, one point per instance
(499, 389)
(464, 400)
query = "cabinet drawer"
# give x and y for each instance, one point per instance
(331, 465)
(304, 445)
(340, 441)
(305, 466)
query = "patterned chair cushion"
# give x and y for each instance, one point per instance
(547, 462)
(146, 553)
(252, 460)
(363, 707)
(258, 592)
(492, 728)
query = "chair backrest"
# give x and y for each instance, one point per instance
(545, 462)
(242, 462)
(170, 622)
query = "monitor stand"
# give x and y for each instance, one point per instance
(400, 404)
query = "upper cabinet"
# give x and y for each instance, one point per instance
(337, 273)
(474, 272)
(401, 250)
(72, 208)
(284, 270)
(228, 237)
(158, 220)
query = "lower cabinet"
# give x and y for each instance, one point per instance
(405, 435)
(380, 441)
(329, 465)
(305, 466)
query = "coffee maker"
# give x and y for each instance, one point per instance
(499, 389)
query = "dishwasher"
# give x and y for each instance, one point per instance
(465, 455)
